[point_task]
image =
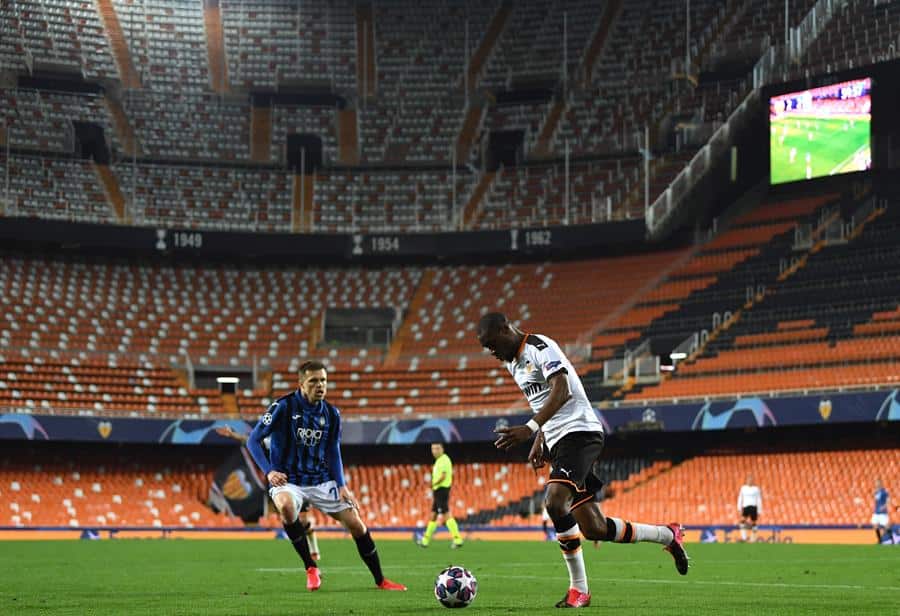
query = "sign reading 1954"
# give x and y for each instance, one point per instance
(538, 237)
(187, 239)
(384, 244)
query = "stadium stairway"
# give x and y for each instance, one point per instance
(118, 46)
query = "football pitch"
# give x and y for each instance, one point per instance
(141, 576)
(823, 146)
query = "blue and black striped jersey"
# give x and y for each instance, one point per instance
(305, 443)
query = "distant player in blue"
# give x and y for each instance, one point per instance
(880, 519)
(304, 464)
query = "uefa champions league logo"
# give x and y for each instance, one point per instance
(357, 244)
(161, 240)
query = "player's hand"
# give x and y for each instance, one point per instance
(277, 478)
(512, 436)
(347, 496)
(226, 431)
(536, 455)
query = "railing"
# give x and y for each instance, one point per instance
(660, 210)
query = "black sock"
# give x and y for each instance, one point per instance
(369, 554)
(564, 523)
(297, 534)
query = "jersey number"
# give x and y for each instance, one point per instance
(334, 492)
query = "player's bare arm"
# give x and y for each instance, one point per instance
(559, 395)
(229, 432)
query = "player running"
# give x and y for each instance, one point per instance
(304, 464)
(570, 435)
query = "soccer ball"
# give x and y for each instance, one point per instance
(455, 587)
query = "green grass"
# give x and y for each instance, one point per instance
(263, 577)
(835, 144)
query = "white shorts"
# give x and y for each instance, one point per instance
(880, 519)
(325, 496)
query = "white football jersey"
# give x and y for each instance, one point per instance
(750, 496)
(539, 358)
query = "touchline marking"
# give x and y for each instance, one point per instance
(725, 583)
(626, 580)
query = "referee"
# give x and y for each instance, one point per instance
(441, 480)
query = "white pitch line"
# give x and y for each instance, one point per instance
(632, 580)
(848, 159)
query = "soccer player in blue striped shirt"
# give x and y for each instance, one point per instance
(304, 465)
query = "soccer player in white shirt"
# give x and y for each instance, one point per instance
(567, 433)
(749, 506)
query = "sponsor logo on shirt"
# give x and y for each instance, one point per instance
(550, 365)
(532, 389)
(308, 436)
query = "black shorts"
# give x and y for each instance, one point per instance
(750, 512)
(304, 507)
(573, 459)
(441, 502)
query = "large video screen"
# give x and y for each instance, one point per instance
(819, 132)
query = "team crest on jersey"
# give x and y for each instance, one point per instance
(529, 367)
(322, 422)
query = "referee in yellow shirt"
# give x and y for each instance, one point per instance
(441, 480)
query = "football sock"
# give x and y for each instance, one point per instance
(366, 548)
(623, 531)
(453, 527)
(296, 532)
(570, 544)
(312, 540)
(429, 531)
(743, 532)
(753, 533)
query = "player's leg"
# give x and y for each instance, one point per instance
(453, 527)
(307, 520)
(557, 502)
(430, 528)
(754, 526)
(288, 502)
(745, 523)
(575, 466)
(365, 545)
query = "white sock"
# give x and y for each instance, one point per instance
(652, 533)
(575, 562)
(313, 541)
(641, 532)
(577, 574)
(743, 533)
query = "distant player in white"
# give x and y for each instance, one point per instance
(567, 433)
(880, 519)
(749, 506)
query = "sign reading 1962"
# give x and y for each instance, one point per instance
(538, 237)
(384, 244)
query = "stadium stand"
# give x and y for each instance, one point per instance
(802, 320)
(108, 489)
(208, 197)
(51, 188)
(862, 33)
(816, 487)
(269, 43)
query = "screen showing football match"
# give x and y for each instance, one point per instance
(819, 132)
